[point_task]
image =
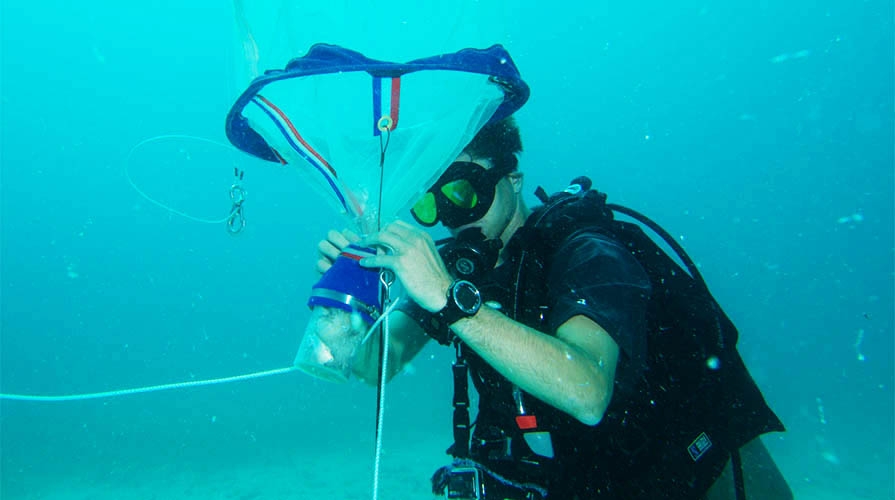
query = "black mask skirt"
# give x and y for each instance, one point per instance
(463, 194)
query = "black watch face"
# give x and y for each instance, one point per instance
(467, 297)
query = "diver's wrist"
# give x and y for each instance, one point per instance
(443, 289)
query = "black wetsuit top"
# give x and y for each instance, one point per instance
(639, 450)
(589, 275)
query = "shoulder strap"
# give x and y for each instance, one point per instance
(575, 207)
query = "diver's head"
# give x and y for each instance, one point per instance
(499, 143)
(482, 188)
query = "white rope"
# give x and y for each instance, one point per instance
(150, 199)
(154, 388)
(379, 418)
(388, 310)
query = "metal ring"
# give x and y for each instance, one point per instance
(385, 123)
(237, 194)
(237, 221)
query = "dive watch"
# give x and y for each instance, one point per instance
(463, 301)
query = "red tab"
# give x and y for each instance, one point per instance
(527, 422)
(352, 256)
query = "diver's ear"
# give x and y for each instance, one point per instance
(516, 181)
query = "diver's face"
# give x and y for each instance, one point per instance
(498, 217)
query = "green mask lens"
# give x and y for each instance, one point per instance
(460, 193)
(425, 210)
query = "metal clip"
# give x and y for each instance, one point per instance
(236, 222)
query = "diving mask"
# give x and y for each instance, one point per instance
(462, 195)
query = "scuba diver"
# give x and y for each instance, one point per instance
(604, 368)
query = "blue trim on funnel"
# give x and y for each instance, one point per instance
(324, 58)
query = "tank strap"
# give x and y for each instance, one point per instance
(736, 463)
(460, 449)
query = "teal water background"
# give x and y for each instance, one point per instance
(758, 133)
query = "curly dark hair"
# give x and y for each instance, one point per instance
(499, 142)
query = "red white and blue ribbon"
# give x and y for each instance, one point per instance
(306, 151)
(386, 104)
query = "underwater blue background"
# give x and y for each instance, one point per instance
(758, 133)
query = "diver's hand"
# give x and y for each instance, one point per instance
(330, 248)
(414, 260)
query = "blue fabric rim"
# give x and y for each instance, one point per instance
(325, 58)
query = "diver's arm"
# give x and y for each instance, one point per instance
(573, 372)
(406, 340)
